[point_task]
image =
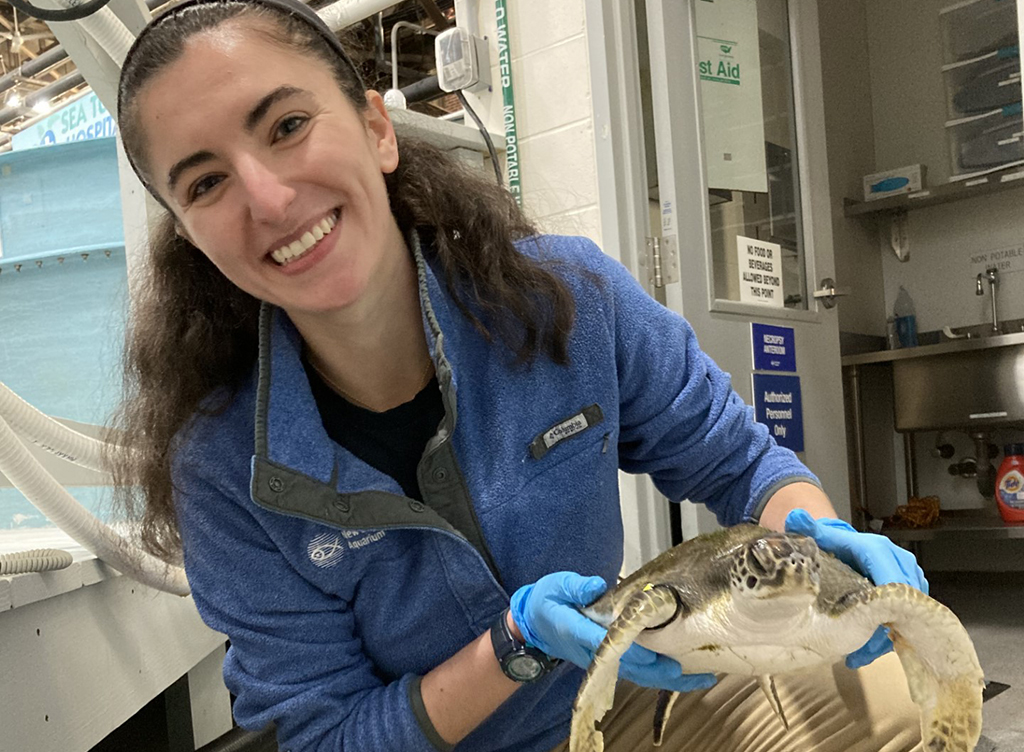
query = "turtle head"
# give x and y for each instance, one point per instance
(776, 565)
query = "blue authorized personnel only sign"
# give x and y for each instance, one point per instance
(777, 404)
(774, 348)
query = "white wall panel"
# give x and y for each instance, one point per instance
(553, 87)
(565, 179)
(538, 24)
(78, 665)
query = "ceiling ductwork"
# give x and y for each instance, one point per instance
(367, 25)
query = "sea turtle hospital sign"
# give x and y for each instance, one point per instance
(83, 119)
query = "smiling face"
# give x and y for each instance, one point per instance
(271, 172)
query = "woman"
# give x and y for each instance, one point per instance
(382, 418)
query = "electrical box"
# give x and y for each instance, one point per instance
(462, 61)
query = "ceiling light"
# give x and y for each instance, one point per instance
(14, 100)
(42, 106)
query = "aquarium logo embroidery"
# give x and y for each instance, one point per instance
(326, 550)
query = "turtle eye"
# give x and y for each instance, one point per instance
(751, 582)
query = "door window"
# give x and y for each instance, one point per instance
(751, 151)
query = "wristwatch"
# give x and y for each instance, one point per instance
(519, 662)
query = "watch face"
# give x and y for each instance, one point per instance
(524, 668)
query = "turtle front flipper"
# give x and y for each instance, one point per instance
(938, 657)
(654, 605)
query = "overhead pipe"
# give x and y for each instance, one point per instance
(48, 59)
(69, 82)
(32, 68)
(423, 90)
(344, 13)
(116, 39)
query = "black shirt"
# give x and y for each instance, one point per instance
(392, 441)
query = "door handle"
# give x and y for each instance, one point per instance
(828, 292)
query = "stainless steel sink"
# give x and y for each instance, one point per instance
(958, 384)
(961, 384)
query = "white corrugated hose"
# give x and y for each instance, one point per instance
(36, 560)
(48, 434)
(27, 475)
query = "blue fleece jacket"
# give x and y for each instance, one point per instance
(338, 593)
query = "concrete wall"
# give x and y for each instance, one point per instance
(947, 244)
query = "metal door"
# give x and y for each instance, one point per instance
(735, 164)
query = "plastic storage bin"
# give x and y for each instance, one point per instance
(976, 27)
(982, 73)
(983, 83)
(986, 141)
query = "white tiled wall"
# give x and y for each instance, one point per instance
(555, 121)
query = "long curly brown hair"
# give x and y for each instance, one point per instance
(191, 331)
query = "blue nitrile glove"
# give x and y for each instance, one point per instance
(874, 556)
(547, 614)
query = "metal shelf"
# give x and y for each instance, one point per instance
(995, 182)
(974, 527)
(942, 348)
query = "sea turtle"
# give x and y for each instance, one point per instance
(746, 600)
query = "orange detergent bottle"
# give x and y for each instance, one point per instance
(1010, 484)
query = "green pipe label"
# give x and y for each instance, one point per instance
(508, 103)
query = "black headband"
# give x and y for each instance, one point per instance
(293, 8)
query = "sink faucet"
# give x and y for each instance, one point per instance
(992, 275)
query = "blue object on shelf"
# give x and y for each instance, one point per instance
(906, 331)
(889, 185)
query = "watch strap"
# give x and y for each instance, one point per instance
(508, 649)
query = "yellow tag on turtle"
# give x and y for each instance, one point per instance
(648, 586)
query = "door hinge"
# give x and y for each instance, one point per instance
(661, 261)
